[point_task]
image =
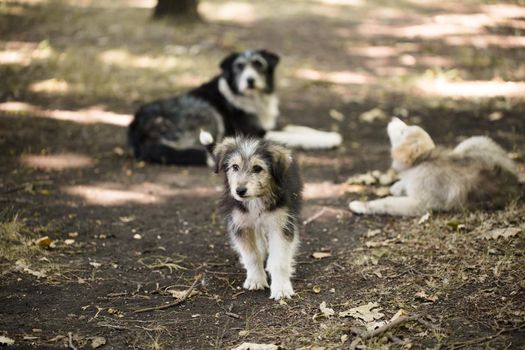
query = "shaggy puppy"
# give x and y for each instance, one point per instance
(241, 100)
(477, 173)
(261, 204)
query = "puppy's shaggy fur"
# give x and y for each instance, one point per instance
(477, 173)
(261, 204)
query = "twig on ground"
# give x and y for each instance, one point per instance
(315, 216)
(231, 314)
(363, 335)
(460, 345)
(70, 338)
(198, 278)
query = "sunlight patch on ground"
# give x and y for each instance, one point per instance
(107, 196)
(240, 12)
(23, 58)
(484, 41)
(122, 58)
(341, 77)
(56, 161)
(341, 2)
(446, 88)
(307, 160)
(144, 193)
(23, 53)
(504, 10)
(317, 190)
(50, 86)
(113, 4)
(374, 51)
(91, 115)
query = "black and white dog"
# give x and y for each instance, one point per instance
(261, 204)
(241, 100)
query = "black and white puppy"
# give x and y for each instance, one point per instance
(239, 101)
(261, 204)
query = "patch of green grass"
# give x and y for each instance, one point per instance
(17, 240)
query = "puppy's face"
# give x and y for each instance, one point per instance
(253, 168)
(407, 143)
(250, 72)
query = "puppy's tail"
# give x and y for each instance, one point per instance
(207, 141)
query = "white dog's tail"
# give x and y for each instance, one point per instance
(487, 150)
(305, 138)
(206, 139)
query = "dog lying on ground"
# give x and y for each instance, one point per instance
(477, 173)
(239, 101)
(261, 204)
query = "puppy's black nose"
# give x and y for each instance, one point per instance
(241, 191)
(250, 82)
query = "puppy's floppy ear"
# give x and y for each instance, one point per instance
(220, 152)
(227, 62)
(413, 147)
(281, 161)
(404, 153)
(270, 57)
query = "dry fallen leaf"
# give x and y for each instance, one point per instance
(327, 312)
(44, 242)
(375, 114)
(97, 342)
(254, 346)
(127, 219)
(424, 218)
(179, 294)
(69, 241)
(321, 255)
(398, 314)
(424, 296)
(368, 312)
(6, 341)
(372, 233)
(502, 232)
(72, 234)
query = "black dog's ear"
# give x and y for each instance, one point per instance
(227, 62)
(220, 151)
(270, 57)
(281, 161)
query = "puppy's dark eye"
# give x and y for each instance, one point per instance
(257, 64)
(235, 167)
(257, 169)
(239, 66)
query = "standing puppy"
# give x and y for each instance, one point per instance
(261, 203)
(477, 173)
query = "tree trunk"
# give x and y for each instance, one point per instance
(180, 9)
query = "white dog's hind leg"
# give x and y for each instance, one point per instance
(280, 264)
(402, 206)
(252, 259)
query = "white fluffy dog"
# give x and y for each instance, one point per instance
(477, 173)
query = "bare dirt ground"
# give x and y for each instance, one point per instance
(128, 235)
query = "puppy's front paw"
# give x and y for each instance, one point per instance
(359, 207)
(255, 283)
(281, 290)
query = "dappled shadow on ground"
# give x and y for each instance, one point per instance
(73, 73)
